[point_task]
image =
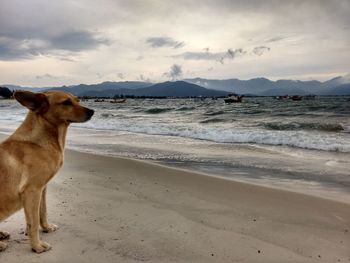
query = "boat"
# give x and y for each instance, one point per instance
(233, 98)
(285, 97)
(118, 101)
(296, 98)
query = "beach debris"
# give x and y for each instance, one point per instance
(259, 251)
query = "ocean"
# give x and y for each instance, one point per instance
(301, 146)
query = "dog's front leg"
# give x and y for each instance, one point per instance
(43, 215)
(31, 198)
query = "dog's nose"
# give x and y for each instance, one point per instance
(90, 113)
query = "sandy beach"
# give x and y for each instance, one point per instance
(122, 210)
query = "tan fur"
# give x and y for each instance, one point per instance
(32, 155)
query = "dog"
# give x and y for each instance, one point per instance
(32, 155)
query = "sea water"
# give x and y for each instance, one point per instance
(302, 146)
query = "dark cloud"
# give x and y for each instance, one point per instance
(77, 41)
(260, 50)
(13, 47)
(174, 73)
(157, 42)
(216, 56)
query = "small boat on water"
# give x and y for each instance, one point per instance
(285, 97)
(296, 98)
(118, 101)
(233, 98)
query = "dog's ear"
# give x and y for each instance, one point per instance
(36, 102)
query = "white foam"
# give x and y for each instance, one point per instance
(228, 134)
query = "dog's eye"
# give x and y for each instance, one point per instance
(67, 102)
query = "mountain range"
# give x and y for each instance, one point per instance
(266, 87)
(207, 88)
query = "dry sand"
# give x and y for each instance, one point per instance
(120, 210)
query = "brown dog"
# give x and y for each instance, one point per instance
(31, 156)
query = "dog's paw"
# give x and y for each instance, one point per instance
(41, 247)
(3, 246)
(50, 228)
(4, 235)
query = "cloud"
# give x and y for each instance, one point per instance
(260, 50)
(275, 39)
(13, 47)
(157, 42)
(141, 77)
(45, 76)
(215, 56)
(78, 40)
(174, 73)
(120, 75)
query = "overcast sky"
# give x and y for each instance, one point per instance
(45, 43)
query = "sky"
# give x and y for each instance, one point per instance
(67, 42)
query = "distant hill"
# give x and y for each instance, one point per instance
(83, 88)
(337, 81)
(178, 89)
(266, 87)
(341, 90)
(16, 87)
(165, 89)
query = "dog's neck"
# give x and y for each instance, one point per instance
(36, 129)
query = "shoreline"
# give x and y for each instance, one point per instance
(294, 185)
(119, 209)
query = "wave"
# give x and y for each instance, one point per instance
(157, 110)
(213, 120)
(327, 127)
(107, 115)
(185, 109)
(301, 139)
(213, 113)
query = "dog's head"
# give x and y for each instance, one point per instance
(55, 106)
